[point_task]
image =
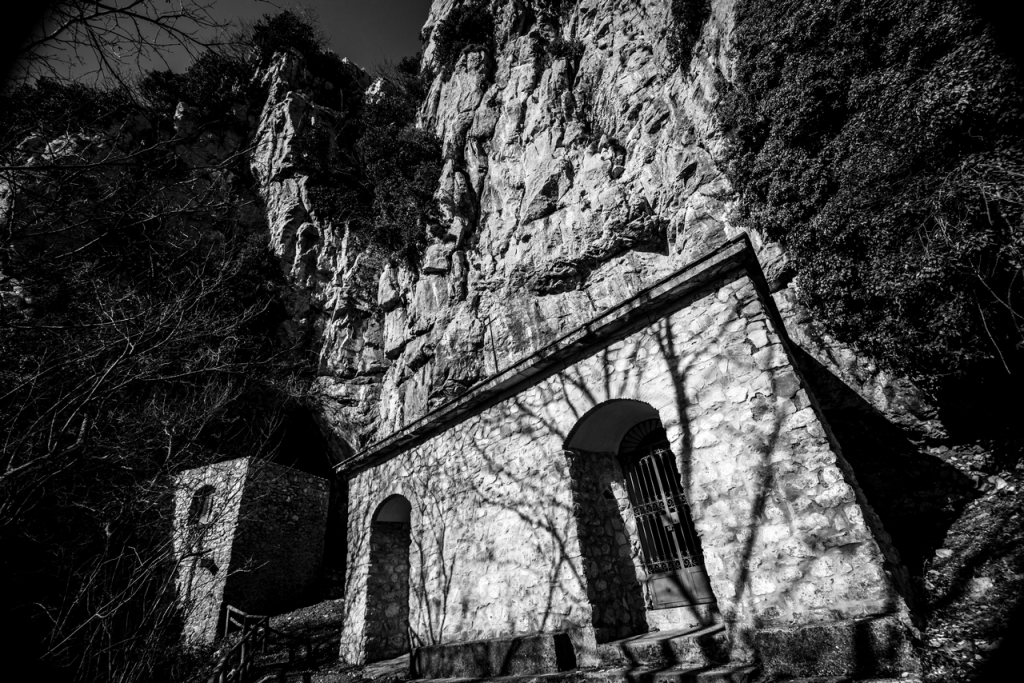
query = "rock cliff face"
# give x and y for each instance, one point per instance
(570, 183)
(332, 296)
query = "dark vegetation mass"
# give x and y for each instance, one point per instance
(470, 24)
(880, 143)
(688, 18)
(138, 332)
(140, 325)
(402, 164)
(386, 182)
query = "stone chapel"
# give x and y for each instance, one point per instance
(662, 469)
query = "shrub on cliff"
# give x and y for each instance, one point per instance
(688, 18)
(402, 165)
(289, 30)
(218, 79)
(402, 162)
(880, 143)
(386, 188)
(212, 84)
(468, 24)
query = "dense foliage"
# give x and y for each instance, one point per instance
(383, 184)
(688, 19)
(24, 107)
(211, 85)
(138, 328)
(880, 143)
(140, 315)
(470, 23)
(402, 164)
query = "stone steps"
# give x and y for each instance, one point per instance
(704, 674)
(908, 678)
(684, 648)
(716, 674)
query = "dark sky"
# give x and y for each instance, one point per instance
(365, 31)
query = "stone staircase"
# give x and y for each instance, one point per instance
(683, 656)
(685, 647)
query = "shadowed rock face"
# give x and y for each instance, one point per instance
(569, 184)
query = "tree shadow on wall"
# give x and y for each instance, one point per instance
(505, 489)
(498, 546)
(436, 564)
(764, 474)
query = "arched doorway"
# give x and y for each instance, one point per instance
(624, 445)
(387, 585)
(671, 552)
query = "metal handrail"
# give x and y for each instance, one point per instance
(237, 663)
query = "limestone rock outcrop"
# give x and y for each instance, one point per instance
(332, 299)
(572, 179)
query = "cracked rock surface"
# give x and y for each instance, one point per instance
(569, 184)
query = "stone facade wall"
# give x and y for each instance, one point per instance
(262, 548)
(498, 541)
(203, 549)
(489, 550)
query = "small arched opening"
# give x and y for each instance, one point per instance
(200, 510)
(620, 453)
(387, 584)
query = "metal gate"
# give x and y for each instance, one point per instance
(670, 546)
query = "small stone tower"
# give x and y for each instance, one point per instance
(249, 534)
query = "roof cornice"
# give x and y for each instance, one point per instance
(635, 313)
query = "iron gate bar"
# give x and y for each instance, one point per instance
(664, 525)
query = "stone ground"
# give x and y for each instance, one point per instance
(321, 623)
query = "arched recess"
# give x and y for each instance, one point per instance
(602, 427)
(620, 448)
(387, 584)
(200, 510)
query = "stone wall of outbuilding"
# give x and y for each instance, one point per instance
(261, 548)
(203, 547)
(278, 550)
(499, 535)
